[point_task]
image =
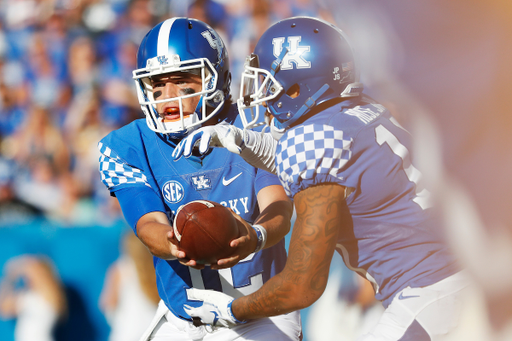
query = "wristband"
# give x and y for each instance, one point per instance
(230, 312)
(261, 233)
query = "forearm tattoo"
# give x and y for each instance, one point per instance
(320, 213)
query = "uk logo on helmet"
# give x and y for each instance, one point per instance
(162, 60)
(213, 41)
(294, 55)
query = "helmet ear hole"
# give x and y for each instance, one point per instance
(227, 77)
(293, 91)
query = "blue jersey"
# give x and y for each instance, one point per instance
(136, 163)
(393, 239)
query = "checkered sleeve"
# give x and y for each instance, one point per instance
(311, 154)
(115, 172)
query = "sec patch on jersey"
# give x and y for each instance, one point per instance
(204, 230)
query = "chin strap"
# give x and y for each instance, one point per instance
(308, 104)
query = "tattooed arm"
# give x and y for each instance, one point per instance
(321, 211)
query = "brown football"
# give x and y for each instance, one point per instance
(204, 230)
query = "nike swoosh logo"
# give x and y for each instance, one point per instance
(227, 182)
(402, 297)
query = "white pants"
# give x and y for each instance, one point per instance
(167, 327)
(428, 313)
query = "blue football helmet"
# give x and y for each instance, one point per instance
(297, 64)
(183, 45)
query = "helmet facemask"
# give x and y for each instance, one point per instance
(258, 86)
(210, 99)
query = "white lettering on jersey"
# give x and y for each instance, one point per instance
(366, 115)
(233, 204)
(227, 280)
(244, 202)
(173, 191)
(201, 182)
(294, 54)
(384, 136)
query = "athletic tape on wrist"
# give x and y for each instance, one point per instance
(261, 233)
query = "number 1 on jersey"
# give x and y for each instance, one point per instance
(382, 136)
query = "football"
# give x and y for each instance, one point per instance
(204, 230)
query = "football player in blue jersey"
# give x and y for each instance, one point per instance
(346, 163)
(183, 82)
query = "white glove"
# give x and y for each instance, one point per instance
(220, 135)
(255, 148)
(215, 310)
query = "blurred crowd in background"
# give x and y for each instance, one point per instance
(65, 82)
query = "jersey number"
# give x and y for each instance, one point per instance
(227, 280)
(383, 136)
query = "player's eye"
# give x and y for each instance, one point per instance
(188, 91)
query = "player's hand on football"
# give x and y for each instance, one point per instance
(180, 254)
(215, 310)
(243, 245)
(220, 135)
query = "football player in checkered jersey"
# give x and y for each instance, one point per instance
(346, 163)
(183, 81)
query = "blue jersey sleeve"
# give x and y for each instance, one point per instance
(264, 179)
(136, 202)
(129, 185)
(311, 154)
(115, 173)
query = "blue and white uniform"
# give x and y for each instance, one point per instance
(137, 167)
(393, 239)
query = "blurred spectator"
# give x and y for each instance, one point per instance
(119, 99)
(210, 12)
(12, 209)
(46, 77)
(12, 99)
(39, 147)
(133, 24)
(84, 126)
(81, 61)
(248, 20)
(40, 137)
(31, 293)
(129, 297)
